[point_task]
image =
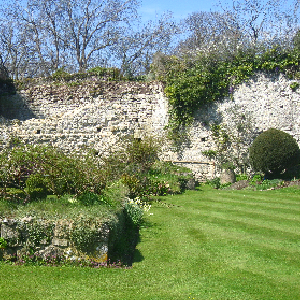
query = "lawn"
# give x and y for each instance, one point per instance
(204, 244)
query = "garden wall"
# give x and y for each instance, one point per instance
(46, 238)
(96, 113)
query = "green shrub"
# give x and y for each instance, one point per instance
(133, 183)
(158, 187)
(15, 195)
(214, 183)
(267, 184)
(113, 73)
(51, 170)
(3, 243)
(241, 177)
(134, 210)
(88, 198)
(142, 153)
(60, 74)
(225, 185)
(36, 187)
(169, 178)
(256, 178)
(273, 151)
(36, 194)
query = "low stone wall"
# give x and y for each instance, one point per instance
(59, 238)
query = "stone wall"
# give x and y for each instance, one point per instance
(264, 101)
(97, 113)
(49, 238)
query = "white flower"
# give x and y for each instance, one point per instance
(72, 200)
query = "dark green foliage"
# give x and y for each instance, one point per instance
(88, 198)
(214, 183)
(36, 187)
(273, 151)
(50, 171)
(111, 73)
(15, 195)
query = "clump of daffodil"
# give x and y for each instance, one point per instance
(135, 209)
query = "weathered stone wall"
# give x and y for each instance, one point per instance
(97, 113)
(71, 117)
(264, 101)
(23, 235)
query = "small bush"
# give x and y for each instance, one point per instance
(135, 209)
(267, 184)
(36, 187)
(15, 195)
(273, 151)
(112, 73)
(88, 198)
(60, 74)
(241, 177)
(142, 153)
(214, 183)
(49, 169)
(256, 178)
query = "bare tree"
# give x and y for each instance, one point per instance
(93, 26)
(211, 32)
(13, 47)
(264, 22)
(137, 47)
(66, 32)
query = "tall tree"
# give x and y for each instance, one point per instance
(137, 47)
(211, 32)
(262, 21)
(13, 47)
(67, 31)
(96, 25)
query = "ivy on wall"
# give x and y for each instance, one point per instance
(210, 78)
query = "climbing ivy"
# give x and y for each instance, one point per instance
(190, 85)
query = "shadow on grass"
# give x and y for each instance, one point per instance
(137, 256)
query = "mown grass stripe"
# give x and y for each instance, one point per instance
(258, 222)
(275, 205)
(256, 212)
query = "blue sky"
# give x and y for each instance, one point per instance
(181, 8)
(151, 9)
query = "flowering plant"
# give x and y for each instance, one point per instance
(135, 209)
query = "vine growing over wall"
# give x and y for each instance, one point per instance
(210, 78)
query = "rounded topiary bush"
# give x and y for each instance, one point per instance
(273, 151)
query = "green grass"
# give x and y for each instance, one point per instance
(205, 244)
(56, 208)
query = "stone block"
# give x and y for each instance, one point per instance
(227, 175)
